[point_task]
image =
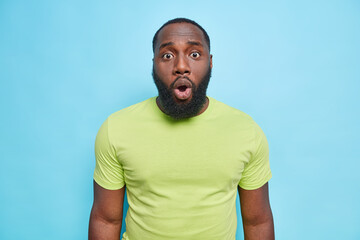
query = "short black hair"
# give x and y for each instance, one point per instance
(181, 20)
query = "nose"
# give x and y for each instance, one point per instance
(181, 66)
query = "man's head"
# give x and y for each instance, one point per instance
(182, 67)
(180, 20)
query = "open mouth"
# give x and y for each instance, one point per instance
(182, 89)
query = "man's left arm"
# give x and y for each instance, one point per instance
(256, 214)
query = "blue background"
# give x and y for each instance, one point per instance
(66, 65)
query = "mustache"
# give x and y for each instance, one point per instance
(184, 77)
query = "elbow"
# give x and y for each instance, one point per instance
(105, 219)
(258, 219)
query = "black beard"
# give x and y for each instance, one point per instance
(182, 110)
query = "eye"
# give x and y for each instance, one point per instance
(167, 56)
(195, 54)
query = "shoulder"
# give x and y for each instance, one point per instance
(231, 113)
(132, 113)
(236, 120)
(129, 117)
(138, 108)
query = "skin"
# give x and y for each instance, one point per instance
(106, 214)
(256, 214)
(181, 50)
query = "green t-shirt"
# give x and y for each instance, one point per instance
(181, 176)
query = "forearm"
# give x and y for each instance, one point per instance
(102, 229)
(260, 231)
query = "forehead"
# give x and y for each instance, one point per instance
(179, 33)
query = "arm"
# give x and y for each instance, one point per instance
(256, 214)
(106, 213)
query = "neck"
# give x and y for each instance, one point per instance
(205, 106)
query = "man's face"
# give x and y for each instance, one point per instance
(182, 69)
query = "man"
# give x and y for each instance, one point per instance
(182, 156)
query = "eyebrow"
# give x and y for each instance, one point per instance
(196, 43)
(166, 44)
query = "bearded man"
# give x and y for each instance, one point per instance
(182, 156)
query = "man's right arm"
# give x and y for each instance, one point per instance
(106, 213)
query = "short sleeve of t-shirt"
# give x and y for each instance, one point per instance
(108, 172)
(257, 171)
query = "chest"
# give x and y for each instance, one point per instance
(202, 155)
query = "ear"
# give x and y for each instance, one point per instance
(211, 61)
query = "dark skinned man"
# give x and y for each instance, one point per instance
(183, 156)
